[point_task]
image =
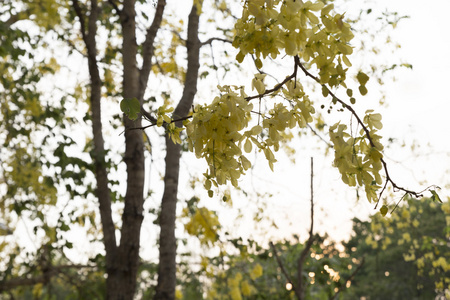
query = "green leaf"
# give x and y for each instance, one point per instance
(248, 146)
(384, 210)
(409, 66)
(325, 91)
(258, 63)
(240, 57)
(435, 196)
(363, 90)
(130, 107)
(362, 78)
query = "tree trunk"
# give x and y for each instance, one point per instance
(121, 282)
(122, 261)
(88, 32)
(167, 244)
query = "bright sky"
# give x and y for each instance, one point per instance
(417, 113)
(418, 109)
(418, 101)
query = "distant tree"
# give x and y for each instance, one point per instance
(288, 269)
(68, 162)
(406, 255)
(47, 171)
(254, 273)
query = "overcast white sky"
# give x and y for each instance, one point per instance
(418, 102)
(417, 113)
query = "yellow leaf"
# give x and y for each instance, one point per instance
(256, 272)
(240, 57)
(248, 146)
(384, 210)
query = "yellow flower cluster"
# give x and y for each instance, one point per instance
(358, 161)
(425, 251)
(233, 283)
(256, 272)
(204, 224)
(217, 131)
(306, 29)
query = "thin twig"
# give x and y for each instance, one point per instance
(148, 116)
(210, 40)
(79, 13)
(319, 136)
(366, 131)
(148, 47)
(310, 241)
(279, 85)
(341, 288)
(115, 7)
(164, 123)
(283, 269)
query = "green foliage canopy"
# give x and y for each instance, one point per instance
(406, 254)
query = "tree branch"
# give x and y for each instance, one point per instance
(102, 191)
(115, 7)
(148, 47)
(352, 111)
(147, 116)
(305, 251)
(335, 98)
(210, 40)
(80, 15)
(342, 287)
(279, 85)
(167, 257)
(283, 270)
(366, 131)
(44, 278)
(193, 52)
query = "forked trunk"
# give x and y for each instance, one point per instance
(167, 244)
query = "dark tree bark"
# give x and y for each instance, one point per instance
(167, 243)
(121, 282)
(122, 261)
(88, 33)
